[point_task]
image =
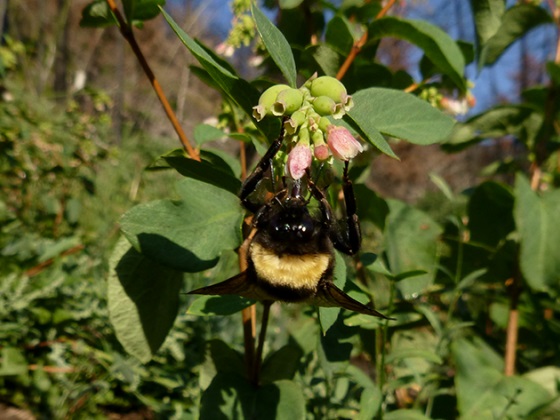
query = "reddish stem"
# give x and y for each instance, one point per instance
(127, 33)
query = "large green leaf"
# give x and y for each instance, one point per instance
(239, 90)
(411, 239)
(482, 389)
(143, 300)
(188, 234)
(536, 218)
(276, 45)
(487, 18)
(516, 22)
(442, 50)
(399, 114)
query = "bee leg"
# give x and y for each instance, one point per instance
(353, 235)
(259, 172)
(347, 241)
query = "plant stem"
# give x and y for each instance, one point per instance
(260, 346)
(127, 33)
(358, 45)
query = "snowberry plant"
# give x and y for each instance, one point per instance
(347, 106)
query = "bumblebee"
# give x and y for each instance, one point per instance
(291, 255)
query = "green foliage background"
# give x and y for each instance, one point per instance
(452, 269)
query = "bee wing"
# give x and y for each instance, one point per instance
(329, 295)
(236, 285)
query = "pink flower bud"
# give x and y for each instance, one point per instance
(321, 152)
(299, 160)
(343, 145)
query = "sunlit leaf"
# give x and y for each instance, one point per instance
(188, 234)
(239, 90)
(438, 46)
(516, 22)
(339, 34)
(276, 45)
(401, 115)
(487, 18)
(520, 120)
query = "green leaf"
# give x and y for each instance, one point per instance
(370, 402)
(482, 389)
(143, 300)
(339, 35)
(441, 49)
(276, 45)
(232, 396)
(280, 400)
(138, 11)
(368, 132)
(219, 175)
(188, 234)
(371, 398)
(97, 14)
(370, 206)
(218, 305)
(536, 218)
(487, 18)
(401, 115)
(13, 362)
(405, 414)
(282, 364)
(398, 355)
(205, 132)
(323, 57)
(490, 212)
(237, 89)
(411, 238)
(516, 22)
(225, 359)
(519, 120)
(289, 4)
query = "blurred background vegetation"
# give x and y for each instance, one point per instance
(79, 123)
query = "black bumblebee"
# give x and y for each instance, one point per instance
(291, 256)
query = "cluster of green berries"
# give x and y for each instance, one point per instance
(309, 131)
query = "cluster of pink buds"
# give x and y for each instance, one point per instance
(309, 131)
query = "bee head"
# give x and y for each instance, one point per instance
(290, 220)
